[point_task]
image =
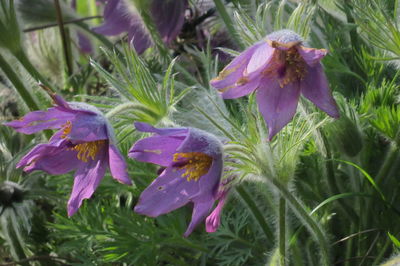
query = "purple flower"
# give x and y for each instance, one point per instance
(279, 67)
(193, 166)
(84, 142)
(119, 17)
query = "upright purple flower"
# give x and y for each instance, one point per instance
(168, 16)
(84, 142)
(193, 166)
(279, 67)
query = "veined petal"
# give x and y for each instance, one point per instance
(312, 56)
(168, 192)
(277, 104)
(200, 210)
(144, 127)
(118, 167)
(245, 86)
(233, 72)
(315, 88)
(87, 178)
(260, 58)
(40, 120)
(156, 149)
(53, 158)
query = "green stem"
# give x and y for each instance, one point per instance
(310, 223)
(255, 211)
(332, 185)
(18, 84)
(388, 163)
(64, 38)
(282, 231)
(228, 23)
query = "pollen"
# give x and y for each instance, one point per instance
(196, 164)
(67, 129)
(88, 150)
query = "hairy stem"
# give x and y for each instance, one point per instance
(282, 231)
(255, 211)
(310, 223)
(26, 96)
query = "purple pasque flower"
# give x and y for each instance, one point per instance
(120, 17)
(84, 142)
(193, 166)
(279, 68)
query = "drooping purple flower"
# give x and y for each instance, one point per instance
(119, 17)
(279, 68)
(84, 142)
(193, 166)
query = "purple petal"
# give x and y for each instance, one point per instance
(118, 167)
(116, 19)
(87, 178)
(201, 141)
(88, 127)
(200, 211)
(138, 37)
(168, 192)
(40, 120)
(213, 221)
(235, 70)
(315, 88)
(208, 184)
(277, 104)
(144, 127)
(170, 23)
(53, 158)
(246, 88)
(312, 56)
(260, 58)
(84, 43)
(156, 149)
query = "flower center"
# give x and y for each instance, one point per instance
(287, 65)
(88, 149)
(196, 164)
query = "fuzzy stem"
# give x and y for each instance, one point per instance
(228, 22)
(282, 231)
(310, 223)
(18, 84)
(378, 258)
(23, 59)
(255, 211)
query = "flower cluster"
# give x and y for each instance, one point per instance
(279, 68)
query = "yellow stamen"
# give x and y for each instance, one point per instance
(196, 164)
(67, 129)
(88, 149)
